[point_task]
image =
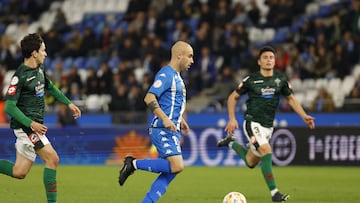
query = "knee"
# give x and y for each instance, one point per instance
(18, 174)
(251, 164)
(52, 162)
(177, 168)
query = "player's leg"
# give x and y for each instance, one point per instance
(250, 158)
(159, 186)
(259, 145)
(51, 159)
(167, 144)
(25, 156)
(19, 169)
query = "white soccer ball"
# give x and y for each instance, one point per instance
(234, 197)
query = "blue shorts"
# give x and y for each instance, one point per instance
(166, 142)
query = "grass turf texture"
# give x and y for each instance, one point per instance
(98, 184)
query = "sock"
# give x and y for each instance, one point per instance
(153, 165)
(6, 167)
(158, 188)
(266, 168)
(241, 151)
(274, 191)
(50, 184)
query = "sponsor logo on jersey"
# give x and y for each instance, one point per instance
(166, 145)
(29, 79)
(240, 85)
(11, 90)
(39, 89)
(289, 85)
(268, 92)
(258, 81)
(168, 151)
(14, 80)
(157, 84)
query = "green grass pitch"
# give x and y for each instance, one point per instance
(98, 184)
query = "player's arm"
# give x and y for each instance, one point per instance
(152, 103)
(184, 126)
(296, 106)
(54, 91)
(12, 110)
(231, 104)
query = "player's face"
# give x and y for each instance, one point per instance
(267, 60)
(187, 59)
(40, 55)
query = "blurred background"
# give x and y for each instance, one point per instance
(103, 54)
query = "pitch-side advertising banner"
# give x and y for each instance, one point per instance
(109, 145)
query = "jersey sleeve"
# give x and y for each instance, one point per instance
(161, 84)
(243, 87)
(11, 98)
(54, 91)
(14, 89)
(286, 88)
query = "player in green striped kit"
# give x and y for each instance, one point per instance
(264, 89)
(26, 105)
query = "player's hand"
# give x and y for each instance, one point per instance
(231, 126)
(185, 127)
(76, 111)
(168, 124)
(38, 128)
(309, 120)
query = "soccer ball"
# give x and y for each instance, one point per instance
(234, 197)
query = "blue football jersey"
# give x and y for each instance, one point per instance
(170, 91)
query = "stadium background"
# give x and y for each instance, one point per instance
(103, 55)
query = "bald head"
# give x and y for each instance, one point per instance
(179, 47)
(181, 55)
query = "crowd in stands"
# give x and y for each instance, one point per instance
(116, 55)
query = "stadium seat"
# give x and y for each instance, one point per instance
(321, 82)
(296, 85)
(334, 85)
(308, 83)
(300, 96)
(347, 84)
(310, 95)
(356, 71)
(92, 103)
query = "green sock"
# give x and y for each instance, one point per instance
(50, 184)
(6, 167)
(241, 151)
(266, 168)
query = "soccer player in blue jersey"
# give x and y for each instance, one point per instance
(264, 89)
(166, 100)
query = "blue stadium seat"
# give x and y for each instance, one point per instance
(79, 62)
(92, 61)
(68, 62)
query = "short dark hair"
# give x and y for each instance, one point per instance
(30, 43)
(265, 49)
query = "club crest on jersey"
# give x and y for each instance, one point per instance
(277, 81)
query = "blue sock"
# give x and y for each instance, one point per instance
(154, 165)
(158, 188)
